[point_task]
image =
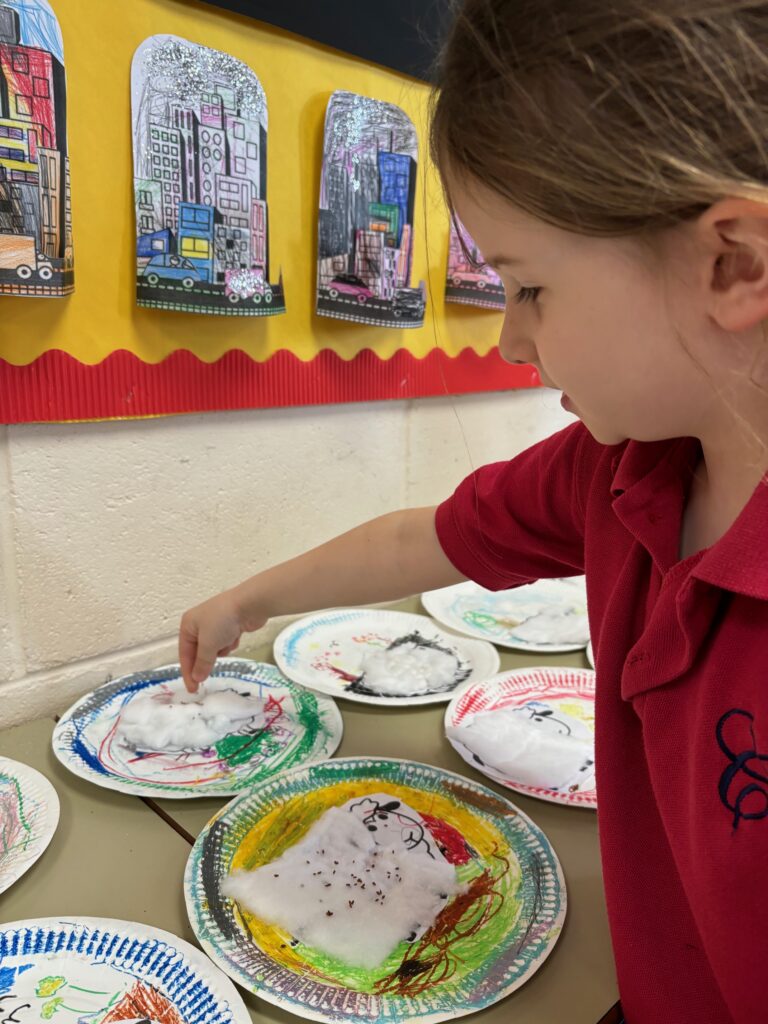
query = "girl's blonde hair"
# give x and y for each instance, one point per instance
(606, 117)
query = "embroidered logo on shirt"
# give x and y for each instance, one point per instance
(743, 786)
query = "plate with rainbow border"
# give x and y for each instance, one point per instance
(497, 926)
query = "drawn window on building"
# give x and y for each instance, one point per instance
(239, 165)
(146, 224)
(20, 62)
(252, 151)
(40, 87)
(198, 248)
(23, 105)
(239, 130)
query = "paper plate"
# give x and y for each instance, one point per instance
(327, 651)
(547, 617)
(301, 727)
(101, 971)
(29, 814)
(484, 945)
(565, 695)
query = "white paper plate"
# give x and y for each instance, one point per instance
(29, 814)
(100, 971)
(326, 652)
(565, 695)
(555, 608)
(301, 727)
(482, 947)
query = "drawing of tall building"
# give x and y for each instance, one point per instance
(33, 153)
(369, 259)
(166, 169)
(397, 172)
(149, 206)
(404, 258)
(210, 144)
(244, 149)
(212, 110)
(259, 235)
(184, 119)
(51, 201)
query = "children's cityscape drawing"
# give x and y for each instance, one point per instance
(469, 279)
(365, 234)
(35, 208)
(200, 182)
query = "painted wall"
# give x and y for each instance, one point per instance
(109, 531)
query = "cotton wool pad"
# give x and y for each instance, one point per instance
(522, 751)
(353, 893)
(170, 719)
(409, 670)
(538, 624)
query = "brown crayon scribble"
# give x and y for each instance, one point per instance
(482, 801)
(465, 915)
(143, 1001)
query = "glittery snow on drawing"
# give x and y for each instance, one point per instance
(200, 180)
(365, 234)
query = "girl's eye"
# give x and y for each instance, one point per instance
(527, 295)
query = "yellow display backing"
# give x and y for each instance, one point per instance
(100, 37)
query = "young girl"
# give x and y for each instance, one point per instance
(610, 161)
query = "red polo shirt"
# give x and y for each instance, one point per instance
(682, 703)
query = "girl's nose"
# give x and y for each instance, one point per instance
(515, 342)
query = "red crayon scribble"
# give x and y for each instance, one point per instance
(143, 1001)
(450, 841)
(465, 915)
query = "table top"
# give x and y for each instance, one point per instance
(123, 857)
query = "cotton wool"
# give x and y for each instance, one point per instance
(171, 719)
(360, 882)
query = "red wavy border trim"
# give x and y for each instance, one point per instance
(57, 387)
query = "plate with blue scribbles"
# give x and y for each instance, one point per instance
(104, 971)
(144, 734)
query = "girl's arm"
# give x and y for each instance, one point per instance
(387, 558)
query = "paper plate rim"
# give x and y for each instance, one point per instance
(213, 951)
(220, 984)
(488, 651)
(116, 784)
(429, 596)
(588, 798)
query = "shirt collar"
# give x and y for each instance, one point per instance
(646, 473)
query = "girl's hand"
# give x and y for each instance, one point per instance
(207, 632)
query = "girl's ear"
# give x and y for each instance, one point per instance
(735, 233)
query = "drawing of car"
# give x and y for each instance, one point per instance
(170, 267)
(247, 283)
(479, 278)
(18, 252)
(350, 284)
(409, 303)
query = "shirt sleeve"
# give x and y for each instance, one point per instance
(513, 522)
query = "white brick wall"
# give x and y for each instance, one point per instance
(109, 531)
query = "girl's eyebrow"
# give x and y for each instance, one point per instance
(503, 261)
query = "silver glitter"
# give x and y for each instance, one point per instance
(179, 70)
(357, 127)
